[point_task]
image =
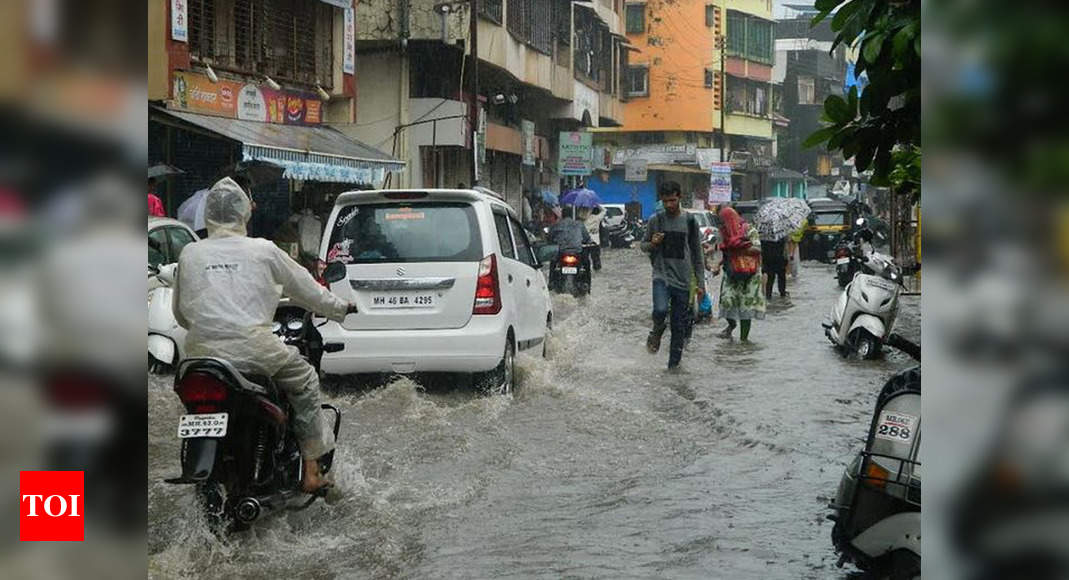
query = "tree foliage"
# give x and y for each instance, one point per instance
(881, 127)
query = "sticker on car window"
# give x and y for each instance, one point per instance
(405, 213)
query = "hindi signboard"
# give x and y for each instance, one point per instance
(720, 182)
(528, 130)
(576, 148)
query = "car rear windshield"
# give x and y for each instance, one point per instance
(405, 232)
(613, 211)
(828, 219)
(702, 219)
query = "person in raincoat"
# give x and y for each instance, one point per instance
(742, 298)
(794, 258)
(226, 292)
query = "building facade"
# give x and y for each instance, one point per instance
(545, 66)
(697, 78)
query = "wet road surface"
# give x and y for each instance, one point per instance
(601, 465)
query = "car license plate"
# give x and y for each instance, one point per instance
(202, 425)
(402, 300)
(569, 270)
(897, 427)
(842, 261)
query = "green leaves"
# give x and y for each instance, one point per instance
(872, 47)
(820, 136)
(838, 110)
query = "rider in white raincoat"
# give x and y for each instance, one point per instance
(226, 292)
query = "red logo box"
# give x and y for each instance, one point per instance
(51, 506)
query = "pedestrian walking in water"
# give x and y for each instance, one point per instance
(741, 297)
(774, 263)
(674, 244)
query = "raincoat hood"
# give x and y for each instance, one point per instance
(227, 209)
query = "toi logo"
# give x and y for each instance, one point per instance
(51, 506)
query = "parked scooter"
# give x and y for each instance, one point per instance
(877, 509)
(239, 450)
(851, 251)
(569, 273)
(165, 337)
(864, 315)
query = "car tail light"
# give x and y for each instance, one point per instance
(569, 260)
(201, 392)
(488, 289)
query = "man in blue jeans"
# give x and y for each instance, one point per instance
(674, 245)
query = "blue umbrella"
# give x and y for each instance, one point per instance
(550, 198)
(581, 198)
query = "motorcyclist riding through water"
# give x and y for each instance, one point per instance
(226, 292)
(570, 234)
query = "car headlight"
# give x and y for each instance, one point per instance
(276, 326)
(295, 324)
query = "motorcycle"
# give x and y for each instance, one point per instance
(619, 236)
(851, 250)
(864, 315)
(570, 272)
(877, 509)
(239, 450)
(165, 336)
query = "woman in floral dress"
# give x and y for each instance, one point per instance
(742, 298)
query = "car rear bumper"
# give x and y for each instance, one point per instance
(477, 347)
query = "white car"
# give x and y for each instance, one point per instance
(444, 281)
(614, 214)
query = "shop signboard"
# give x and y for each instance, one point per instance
(576, 149)
(196, 93)
(635, 170)
(720, 182)
(349, 60)
(528, 129)
(179, 22)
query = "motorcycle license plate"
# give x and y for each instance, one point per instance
(897, 427)
(202, 425)
(842, 260)
(425, 300)
(569, 270)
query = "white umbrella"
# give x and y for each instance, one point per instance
(192, 210)
(780, 216)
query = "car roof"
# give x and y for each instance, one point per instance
(155, 221)
(469, 195)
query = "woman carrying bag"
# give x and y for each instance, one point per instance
(742, 297)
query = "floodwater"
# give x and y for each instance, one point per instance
(601, 465)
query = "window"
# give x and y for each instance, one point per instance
(708, 78)
(157, 248)
(710, 15)
(638, 81)
(806, 91)
(491, 9)
(402, 232)
(749, 37)
(179, 238)
(290, 40)
(501, 224)
(636, 18)
(523, 246)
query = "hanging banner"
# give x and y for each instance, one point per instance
(635, 170)
(179, 22)
(528, 129)
(720, 182)
(349, 60)
(575, 150)
(198, 94)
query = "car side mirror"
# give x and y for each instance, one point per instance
(334, 272)
(546, 252)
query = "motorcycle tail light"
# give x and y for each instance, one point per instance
(201, 392)
(569, 260)
(876, 476)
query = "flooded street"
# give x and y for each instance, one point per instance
(601, 465)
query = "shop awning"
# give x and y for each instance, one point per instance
(676, 168)
(339, 3)
(307, 153)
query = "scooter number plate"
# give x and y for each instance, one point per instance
(569, 270)
(202, 425)
(897, 427)
(842, 260)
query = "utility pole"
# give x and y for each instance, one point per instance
(473, 33)
(721, 45)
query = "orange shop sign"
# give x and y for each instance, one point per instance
(196, 93)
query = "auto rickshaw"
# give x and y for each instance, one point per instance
(828, 223)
